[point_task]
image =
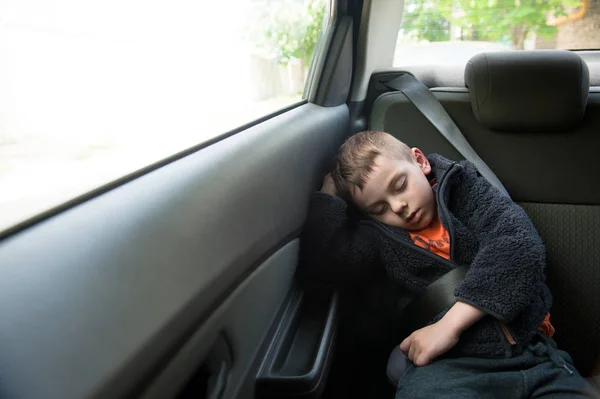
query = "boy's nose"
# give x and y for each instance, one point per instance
(398, 206)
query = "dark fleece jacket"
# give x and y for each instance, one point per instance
(488, 231)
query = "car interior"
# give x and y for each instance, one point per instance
(183, 279)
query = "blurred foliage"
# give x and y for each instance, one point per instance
(292, 29)
(505, 21)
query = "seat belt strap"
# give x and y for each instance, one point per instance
(438, 296)
(432, 109)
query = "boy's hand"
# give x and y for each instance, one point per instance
(424, 345)
(328, 185)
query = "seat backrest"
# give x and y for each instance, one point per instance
(534, 135)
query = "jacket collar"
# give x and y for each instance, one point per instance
(439, 166)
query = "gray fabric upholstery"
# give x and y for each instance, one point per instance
(394, 113)
(554, 167)
(572, 236)
(528, 90)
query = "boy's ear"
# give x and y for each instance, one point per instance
(421, 160)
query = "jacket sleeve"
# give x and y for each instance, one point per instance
(509, 264)
(334, 248)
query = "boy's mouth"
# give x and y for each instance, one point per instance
(414, 216)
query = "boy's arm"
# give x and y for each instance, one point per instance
(426, 344)
(511, 258)
(333, 248)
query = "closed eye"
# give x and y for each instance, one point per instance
(402, 186)
(379, 211)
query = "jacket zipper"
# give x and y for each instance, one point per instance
(444, 214)
(448, 225)
(506, 338)
(507, 334)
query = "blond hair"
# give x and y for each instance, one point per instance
(357, 155)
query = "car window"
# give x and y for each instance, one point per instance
(450, 32)
(93, 90)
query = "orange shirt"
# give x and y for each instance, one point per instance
(547, 328)
(434, 238)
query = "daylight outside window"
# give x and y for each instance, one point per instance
(91, 91)
(450, 32)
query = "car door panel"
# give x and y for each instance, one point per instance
(109, 290)
(244, 319)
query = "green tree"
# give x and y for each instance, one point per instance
(422, 21)
(486, 20)
(293, 30)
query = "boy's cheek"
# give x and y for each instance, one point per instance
(429, 217)
(393, 220)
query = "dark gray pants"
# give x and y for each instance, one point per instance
(541, 371)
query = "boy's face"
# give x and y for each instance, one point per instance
(398, 193)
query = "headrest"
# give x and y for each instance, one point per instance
(528, 90)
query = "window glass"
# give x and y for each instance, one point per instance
(93, 90)
(450, 32)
